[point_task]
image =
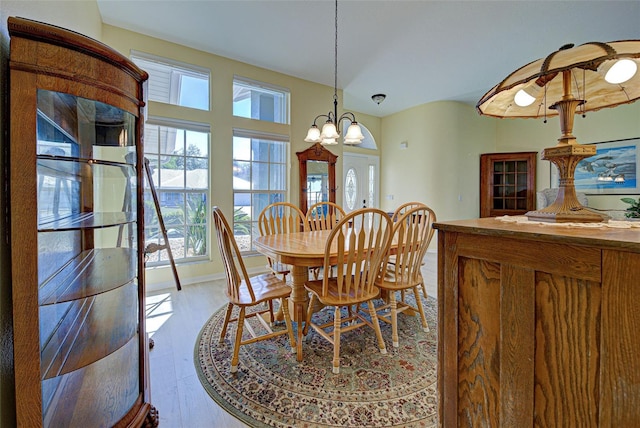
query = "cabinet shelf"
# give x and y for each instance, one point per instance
(88, 274)
(88, 329)
(88, 220)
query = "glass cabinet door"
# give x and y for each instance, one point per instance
(87, 260)
(507, 183)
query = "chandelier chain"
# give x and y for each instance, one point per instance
(335, 66)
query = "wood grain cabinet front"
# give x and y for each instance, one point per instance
(538, 325)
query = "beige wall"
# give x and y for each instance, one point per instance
(80, 16)
(440, 165)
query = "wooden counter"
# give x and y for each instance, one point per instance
(538, 325)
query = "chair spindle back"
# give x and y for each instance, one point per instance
(412, 232)
(361, 241)
(324, 215)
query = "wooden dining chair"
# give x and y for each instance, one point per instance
(359, 243)
(394, 217)
(412, 232)
(401, 209)
(323, 216)
(247, 292)
(280, 217)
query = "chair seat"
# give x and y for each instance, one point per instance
(390, 282)
(331, 299)
(265, 287)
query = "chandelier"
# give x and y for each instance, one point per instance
(331, 128)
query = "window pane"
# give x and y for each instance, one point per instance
(241, 148)
(278, 177)
(175, 83)
(260, 176)
(241, 175)
(197, 144)
(260, 150)
(196, 224)
(278, 152)
(259, 101)
(260, 201)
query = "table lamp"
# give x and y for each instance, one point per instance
(600, 75)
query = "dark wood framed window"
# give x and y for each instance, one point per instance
(507, 183)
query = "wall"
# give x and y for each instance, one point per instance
(440, 165)
(533, 134)
(82, 17)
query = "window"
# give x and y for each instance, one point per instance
(173, 82)
(256, 100)
(260, 164)
(178, 154)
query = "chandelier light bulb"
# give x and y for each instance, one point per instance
(354, 134)
(329, 131)
(313, 135)
(329, 142)
(621, 71)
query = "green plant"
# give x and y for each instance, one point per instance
(633, 211)
(197, 231)
(241, 222)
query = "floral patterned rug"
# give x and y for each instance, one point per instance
(271, 389)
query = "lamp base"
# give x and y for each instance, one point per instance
(581, 215)
(566, 208)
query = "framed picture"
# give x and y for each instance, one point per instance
(612, 170)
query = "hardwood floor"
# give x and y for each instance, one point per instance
(174, 319)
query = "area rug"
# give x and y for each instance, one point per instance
(272, 389)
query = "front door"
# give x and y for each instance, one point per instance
(360, 182)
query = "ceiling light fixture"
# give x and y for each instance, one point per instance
(378, 98)
(591, 72)
(331, 129)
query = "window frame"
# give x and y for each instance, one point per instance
(285, 110)
(185, 190)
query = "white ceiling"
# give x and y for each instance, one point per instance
(413, 51)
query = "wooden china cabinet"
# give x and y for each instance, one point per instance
(80, 345)
(507, 183)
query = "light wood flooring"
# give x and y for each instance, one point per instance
(174, 319)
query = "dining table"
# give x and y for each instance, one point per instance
(300, 250)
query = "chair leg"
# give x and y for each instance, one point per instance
(227, 316)
(272, 318)
(424, 290)
(376, 327)
(287, 320)
(425, 326)
(336, 340)
(236, 345)
(312, 302)
(394, 319)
